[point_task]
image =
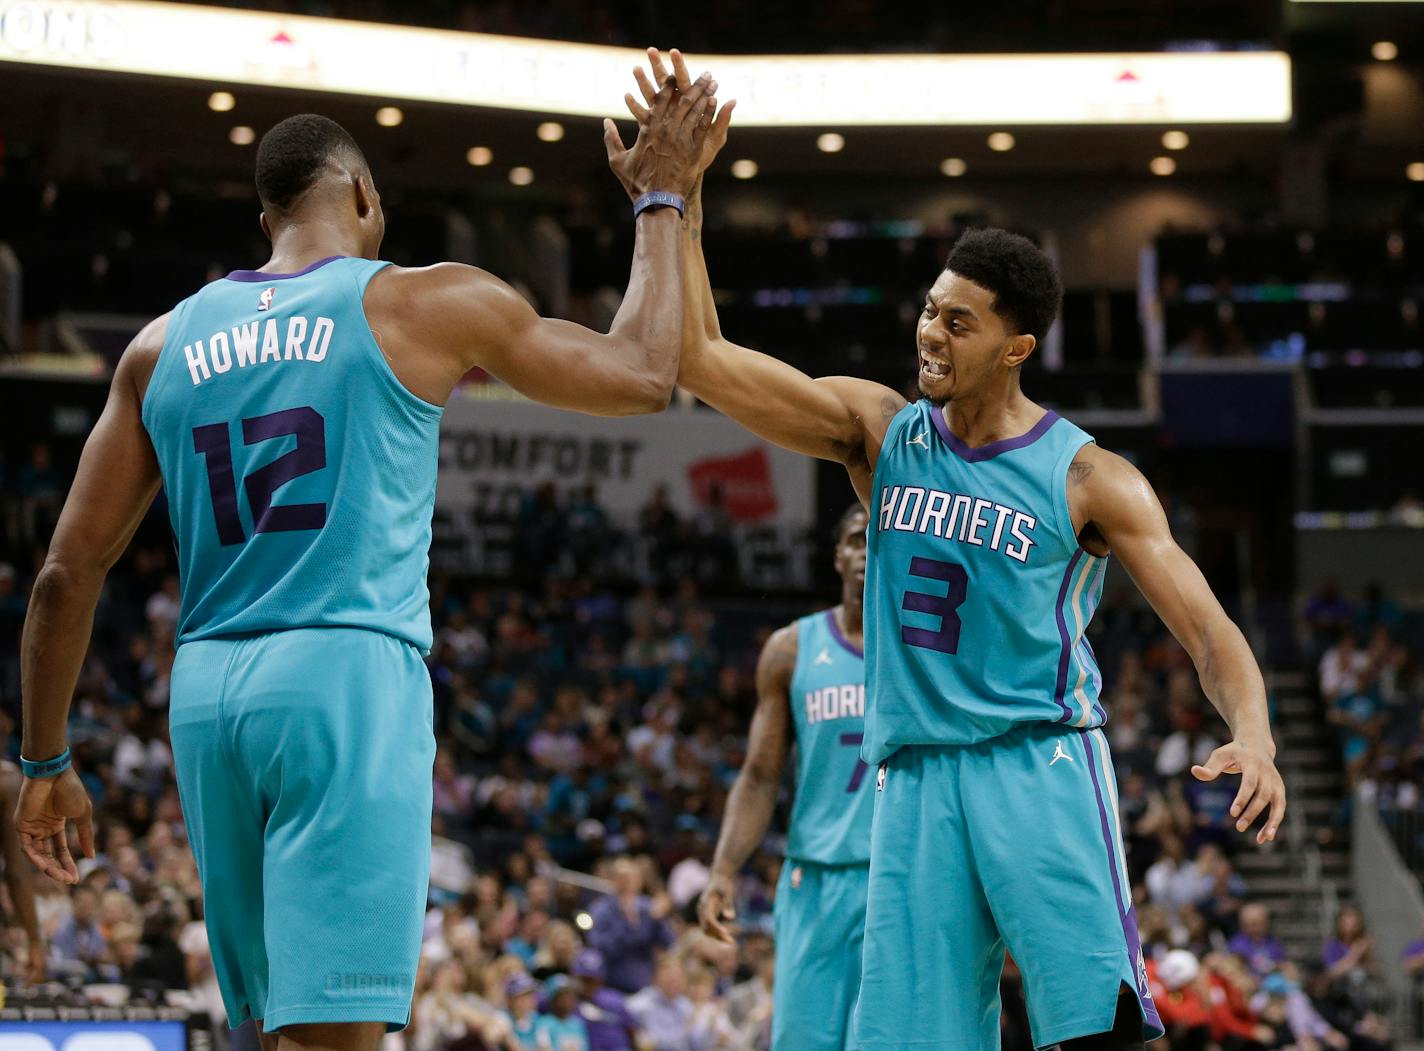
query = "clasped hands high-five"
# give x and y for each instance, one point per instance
(681, 129)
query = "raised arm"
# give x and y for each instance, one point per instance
(436, 323)
(116, 482)
(1112, 502)
(752, 800)
(838, 418)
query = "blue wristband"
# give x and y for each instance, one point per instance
(45, 767)
(659, 199)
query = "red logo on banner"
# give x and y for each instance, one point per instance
(745, 479)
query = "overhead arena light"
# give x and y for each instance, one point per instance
(953, 167)
(221, 101)
(543, 76)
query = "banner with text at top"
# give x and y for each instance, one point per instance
(494, 452)
(231, 47)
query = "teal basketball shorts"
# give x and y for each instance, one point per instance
(820, 924)
(1010, 843)
(304, 767)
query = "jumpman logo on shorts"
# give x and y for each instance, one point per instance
(922, 439)
(1059, 753)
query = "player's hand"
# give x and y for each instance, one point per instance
(669, 147)
(1261, 785)
(715, 909)
(46, 807)
(720, 118)
(36, 964)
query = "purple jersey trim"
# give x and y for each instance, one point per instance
(260, 275)
(1067, 650)
(1128, 916)
(840, 637)
(970, 454)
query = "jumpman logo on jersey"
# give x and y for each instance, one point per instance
(922, 439)
(1059, 753)
(824, 657)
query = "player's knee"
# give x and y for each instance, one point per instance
(1126, 1033)
(332, 1036)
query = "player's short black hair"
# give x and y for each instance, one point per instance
(293, 153)
(845, 519)
(1021, 276)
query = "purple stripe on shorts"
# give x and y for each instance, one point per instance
(1062, 683)
(1129, 915)
(839, 637)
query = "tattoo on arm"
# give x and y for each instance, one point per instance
(890, 407)
(1078, 472)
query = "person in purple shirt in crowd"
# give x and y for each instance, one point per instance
(611, 1026)
(1258, 949)
(628, 927)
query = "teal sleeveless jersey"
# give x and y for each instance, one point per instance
(300, 473)
(830, 820)
(977, 592)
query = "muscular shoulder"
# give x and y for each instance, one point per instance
(1105, 492)
(136, 366)
(416, 295)
(778, 655)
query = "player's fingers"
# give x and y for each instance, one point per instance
(659, 68)
(63, 858)
(37, 850)
(1278, 813)
(640, 112)
(84, 825)
(723, 120)
(1249, 780)
(645, 85)
(612, 141)
(679, 70)
(1209, 772)
(689, 100)
(1259, 802)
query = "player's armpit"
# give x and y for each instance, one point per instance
(837, 418)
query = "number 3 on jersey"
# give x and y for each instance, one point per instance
(212, 443)
(945, 639)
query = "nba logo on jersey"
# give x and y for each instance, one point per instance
(264, 301)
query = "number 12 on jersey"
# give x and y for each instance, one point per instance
(211, 441)
(945, 638)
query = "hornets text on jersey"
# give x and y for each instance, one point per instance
(977, 592)
(830, 819)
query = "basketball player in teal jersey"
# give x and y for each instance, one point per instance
(810, 691)
(991, 520)
(291, 414)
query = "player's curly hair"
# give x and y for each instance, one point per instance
(293, 154)
(1023, 279)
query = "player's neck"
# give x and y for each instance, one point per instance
(991, 416)
(850, 614)
(302, 242)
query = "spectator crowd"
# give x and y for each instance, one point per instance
(589, 731)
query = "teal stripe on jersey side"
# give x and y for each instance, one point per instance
(1082, 601)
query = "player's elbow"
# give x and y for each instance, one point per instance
(61, 578)
(647, 395)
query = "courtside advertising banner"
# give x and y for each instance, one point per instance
(493, 452)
